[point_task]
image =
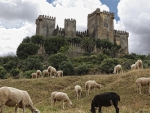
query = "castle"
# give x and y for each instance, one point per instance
(100, 25)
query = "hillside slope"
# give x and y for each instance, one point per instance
(124, 85)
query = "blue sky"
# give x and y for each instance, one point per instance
(17, 19)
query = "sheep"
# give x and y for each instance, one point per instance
(91, 84)
(118, 68)
(60, 96)
(78, 91)
(105, 99)
(13, 97)
(39, 73)
(60, 73)
(34, 75)
(133, 66)
(143, 81)
(52, 71)
(139, 64)
(45, 73)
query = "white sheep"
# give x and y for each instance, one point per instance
(78, 91)
(13, 97)
(139, 64)
(39, 73)
(91, 84)
(118, 69)
(60, 73)
(143, 81)
(34, 75)
(52, 71)
(45, 73)
(133, 66)
(60, 96)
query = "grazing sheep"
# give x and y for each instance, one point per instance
(91, 84)
(13, 97)
(60, 96)
(118, 68)
(45, 73)
(105, 99)
(78, 91)
(52, 71)
(34, 75)
(133, 66)
(60, 73)
(139, 64)
(39, 73)
(143, 81)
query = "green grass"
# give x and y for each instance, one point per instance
(40, 90)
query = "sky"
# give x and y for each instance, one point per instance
(17, 19)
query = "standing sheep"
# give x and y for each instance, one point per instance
(91, 84)
(52, 71)
(117, 69)
(13, 97)
(133, 66)
(139, 64)
(60, 96)
(105, 99)
(143, 81)
(60, 73)
(78, 91)
(39, 73)
(45, 73)
(34, 75)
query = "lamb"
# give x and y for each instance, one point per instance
(143, 81)
(60, 96)
(78, 91)
(13, 97)
(60, 73)
(139, 64)
(34, 75)
(39, 73)
(105, 99)
(118, 68)
(133, 66)
(45, 73)
(91, 84)
(52, 71)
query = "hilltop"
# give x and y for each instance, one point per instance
(124, 85)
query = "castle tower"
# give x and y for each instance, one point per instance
(121, 38)
(100, 25)
(70, 27)
(45, 25)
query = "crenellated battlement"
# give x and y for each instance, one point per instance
(108, 13)
(81, 33)
(70, 20)
(47, 17)
(95, 12)
(119, 32)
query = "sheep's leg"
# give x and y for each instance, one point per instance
(115, 103)
(139, 87)
(63, 105)
(100, 109)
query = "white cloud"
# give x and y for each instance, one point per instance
(18, 17)
(135, 19)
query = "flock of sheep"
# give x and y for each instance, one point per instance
(49, 72)
(13, 97)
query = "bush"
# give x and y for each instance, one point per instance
(14, 72)
(27, 74)
(82, 69)
(3, 72)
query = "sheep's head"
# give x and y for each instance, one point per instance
(70, 104)
(36, 111)
(99, 86)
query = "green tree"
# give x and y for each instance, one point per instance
(14, 72)
(37, 39)
(26, 49)
(56, 59)
(26, 40)
(53, 44)
(88, 44)
(3, 72)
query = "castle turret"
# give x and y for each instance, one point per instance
(45, 25)
(70, 27)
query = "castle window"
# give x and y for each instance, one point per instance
(105, 25)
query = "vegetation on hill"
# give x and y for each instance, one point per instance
(40, 90)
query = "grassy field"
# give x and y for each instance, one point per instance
(40, 90)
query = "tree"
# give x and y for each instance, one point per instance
(26, 49)
(26, 40)
(88, 44)
(53, 44)
(37, 39)
(56, 59)
(3, 72)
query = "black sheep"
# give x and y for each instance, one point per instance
(105, 99)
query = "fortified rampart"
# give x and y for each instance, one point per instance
(100, 25)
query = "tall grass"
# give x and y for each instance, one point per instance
(124, 84)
